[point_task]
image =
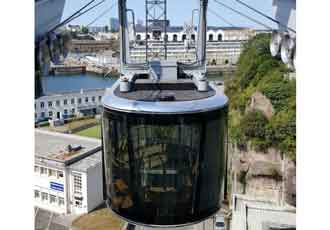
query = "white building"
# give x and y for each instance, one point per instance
(214, 34)
(218, 53)
(256, 214)
(65, 105)
(67, 180)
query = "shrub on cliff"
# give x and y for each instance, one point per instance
(258, 71)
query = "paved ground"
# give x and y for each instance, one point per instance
(47, 220)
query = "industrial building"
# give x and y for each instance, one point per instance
(67, 173)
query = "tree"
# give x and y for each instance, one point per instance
(84, 30)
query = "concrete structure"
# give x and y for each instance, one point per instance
(214, 34)
(90, 46)
(249, 213)
(217, 53)
(285, 12)
(67, 173)
(64, 105)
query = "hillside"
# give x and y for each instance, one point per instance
(262, 101)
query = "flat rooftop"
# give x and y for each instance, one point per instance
(54, 147)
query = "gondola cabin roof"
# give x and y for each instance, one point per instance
(164, 97)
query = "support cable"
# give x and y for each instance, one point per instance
(266, 16)
(244, 15)
(221, 18)
(70, 17)
(102, 14)
(89, 9)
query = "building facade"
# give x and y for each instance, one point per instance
(90, 46)
(67, 173)
(114, 25)
(214, 34)
(217, 53)
(65, 105)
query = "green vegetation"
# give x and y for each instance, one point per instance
(93, 132)
(258, 71)
(84, 30)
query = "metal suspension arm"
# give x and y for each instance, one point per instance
(123, 32)
(201, 49)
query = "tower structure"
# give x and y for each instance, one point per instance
(156, 25)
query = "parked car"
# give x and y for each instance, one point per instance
(219, 223)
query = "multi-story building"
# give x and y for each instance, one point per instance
(114, 25)
(67, 172)
(64, 105)
(224, 44)
(214, 34)
(217, 53)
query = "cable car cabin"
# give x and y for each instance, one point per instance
(164, 148)
(164, 134)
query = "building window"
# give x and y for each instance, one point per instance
(220, 37)
(138, 37)
(175, 37)
(65, 112)
(60, 201)
(42, 104)
(35, 115)
(100, 98)
(50, 114)
(86, 99)
(52, 199)
(42, 114)
(93, 99)
(51, 173)
(58, 103)
(79, 100)
(73, 111)
(78, 203)
(60, 174)
(76, 183)
(65, 102)
(193, 37)
(184, 37)
(36, 169)
(43, 171)
(211, 37)
(44, 196)
(50, 104)
(36, 194)
(72, 101)
(148, 36)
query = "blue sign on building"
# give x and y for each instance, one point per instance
(57, 186)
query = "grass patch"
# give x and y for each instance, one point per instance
(93, 132)
(101, 219)
(73, 125)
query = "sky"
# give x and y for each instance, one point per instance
(179, 11)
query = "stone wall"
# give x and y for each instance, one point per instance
(263, 175)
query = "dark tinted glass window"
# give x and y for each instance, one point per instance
(164, 170)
